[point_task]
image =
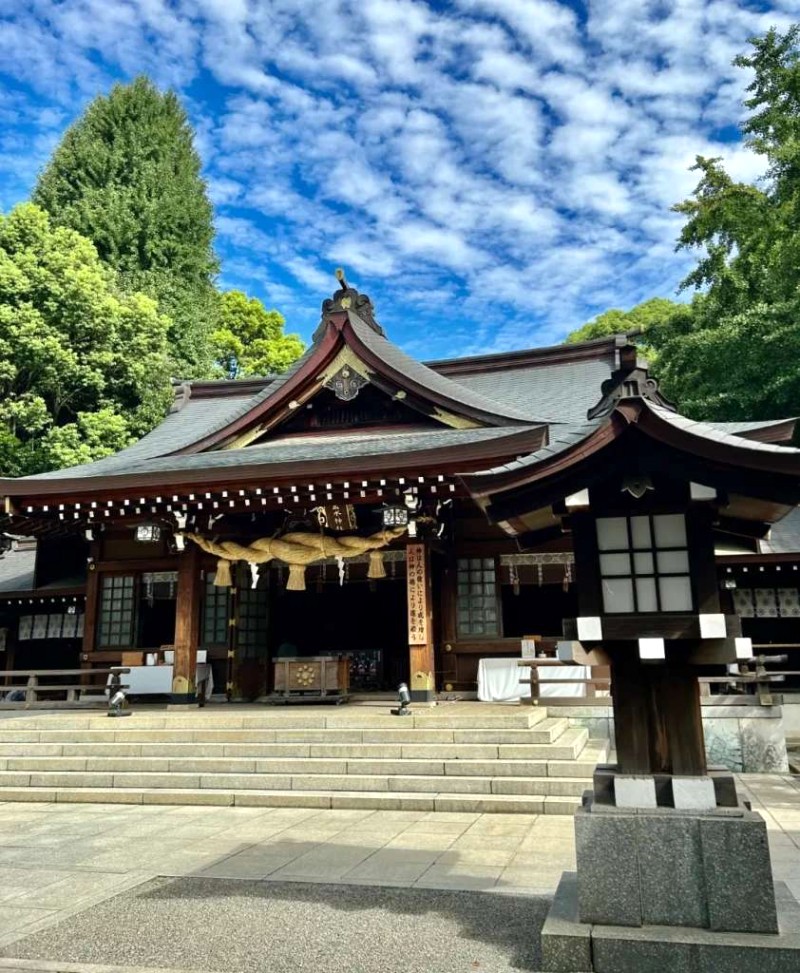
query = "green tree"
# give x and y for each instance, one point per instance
(126, 175)
(83, 365)
(615, 321)
(250, 340)
(733, 353)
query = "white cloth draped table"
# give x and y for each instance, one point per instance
(498, 680)
(157, 680)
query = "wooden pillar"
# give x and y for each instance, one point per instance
(187, 627)
(91, 607)
(420, 622)
(657, 717)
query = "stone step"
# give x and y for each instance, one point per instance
(113, 733)
(283, 719)
(363, 800)
(53, 754)
(62, 766)
(339, 775)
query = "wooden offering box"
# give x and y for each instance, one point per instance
(311, 678)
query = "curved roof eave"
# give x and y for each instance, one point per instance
(572, 445)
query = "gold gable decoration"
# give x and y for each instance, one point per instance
(298, 550)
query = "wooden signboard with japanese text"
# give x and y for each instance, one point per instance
(417, 587)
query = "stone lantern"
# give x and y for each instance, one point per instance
(672, 869)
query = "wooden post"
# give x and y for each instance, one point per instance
(420, 623)
(187, 627)
(657, 718)
(91, 607)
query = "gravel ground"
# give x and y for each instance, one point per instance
(235, 925)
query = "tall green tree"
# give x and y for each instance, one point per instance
(733, 353)
(83, 365)
(128, 176)
(250, 339)
(615, 321)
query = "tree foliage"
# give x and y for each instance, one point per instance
(615, 321)
(83, 365)
(250, 339)
(126, 175)
(733, 353)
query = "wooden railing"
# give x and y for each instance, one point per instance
(33, 686)
(752, 672)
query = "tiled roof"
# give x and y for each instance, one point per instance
(784, 537)
(561, 439)
(439, 385)
(180, 429)
(737, 428)
(706, 430)
(555, 393)
(17, 570)
(306, 449)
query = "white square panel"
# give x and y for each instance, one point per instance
(712, 627)
(590, 628)
(651, 650)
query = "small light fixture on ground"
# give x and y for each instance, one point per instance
(118, 704)
(403, 698)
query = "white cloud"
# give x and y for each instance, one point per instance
(501, 168)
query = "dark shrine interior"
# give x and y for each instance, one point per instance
(366, 621)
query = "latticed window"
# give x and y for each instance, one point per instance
(116, 611)
(216, 612)
(253, 607)
(644, 563)
(476, 597)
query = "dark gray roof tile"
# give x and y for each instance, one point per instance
(439, 384)
(17, 570)
(306, 449)
(784, 537)
(554, 393)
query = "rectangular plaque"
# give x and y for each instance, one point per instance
(417, 591)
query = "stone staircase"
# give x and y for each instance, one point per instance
(524, 761)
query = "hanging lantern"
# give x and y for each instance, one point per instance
(148, 533)
(395, 515)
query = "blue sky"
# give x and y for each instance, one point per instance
(492, 172)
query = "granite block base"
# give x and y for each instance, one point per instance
(569, 945)
(665, 866)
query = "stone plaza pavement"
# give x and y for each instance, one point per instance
(57, 860)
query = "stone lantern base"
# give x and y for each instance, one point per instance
(668, 889)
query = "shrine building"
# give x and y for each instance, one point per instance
(404, 519)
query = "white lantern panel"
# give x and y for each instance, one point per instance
(673, 562)
(670, 530)
(640, 532)
(617, 595)
(676, 594)
(643, 562)
(646, 594)
(612, 533)
(615, 564)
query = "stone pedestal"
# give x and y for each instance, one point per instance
(663, 888)
(667, 867)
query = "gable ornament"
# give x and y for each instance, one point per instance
(346, 383)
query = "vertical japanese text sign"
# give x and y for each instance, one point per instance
(417, 587)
